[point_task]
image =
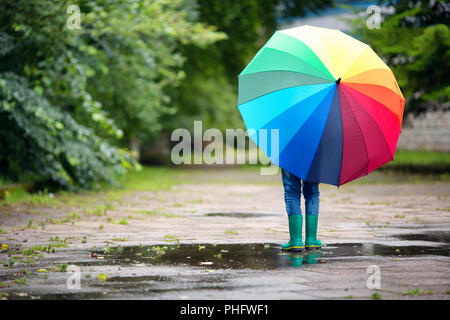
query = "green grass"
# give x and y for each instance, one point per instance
(376, 296)
(147, 179)
(35, 250)
(157, 213)
(381, 176)
(119, 239)
(422, 158)
(20, 196)
(411, 167)
(152, 179)
(98, 202)
(171, 238)
(5, 182)
(63, 267)
(21, 281)
(417, 292)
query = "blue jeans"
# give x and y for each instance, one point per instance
(292, 193)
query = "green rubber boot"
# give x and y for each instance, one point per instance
(295, 259)
(295, 244)
(311, 258)
(311, 241)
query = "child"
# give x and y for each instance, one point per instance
(292, 194)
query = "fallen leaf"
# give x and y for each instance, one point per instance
(21, 294)
(102, 277)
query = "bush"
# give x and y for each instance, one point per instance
(39, 142)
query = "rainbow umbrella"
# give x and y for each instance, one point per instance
(336, 104)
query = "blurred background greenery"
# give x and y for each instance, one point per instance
(79, 106)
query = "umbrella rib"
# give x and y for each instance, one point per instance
(311, 51)
(326, 77)
(398, 115)
(320, 140)
(379, 130)
(397, 91)
(342, 126)
(355, 60)
(291, 106)
(290, 86)
(328, 52)
(280, 70)
(378, 85)
(333, 112)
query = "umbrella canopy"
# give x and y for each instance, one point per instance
(336, 104)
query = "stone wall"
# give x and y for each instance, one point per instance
(430, 131)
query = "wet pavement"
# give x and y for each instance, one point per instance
(249, 270)
(239, 214)
(222, 241)
(260, 256)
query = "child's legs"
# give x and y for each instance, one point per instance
(311, 194)
(292, 192)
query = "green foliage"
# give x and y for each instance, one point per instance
(69, 98)
(42, 85)
(132, 49)
(422, 158)
(429, 13)
(21, 196)
(152, 179)
(63, 267)
(248, 25)
(209, 91)
(415, 42)
(21, 281)
(376, 296)
(40, 142)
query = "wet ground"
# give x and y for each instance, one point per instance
(254, 270)
(223, 241)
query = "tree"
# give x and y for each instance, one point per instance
(42, 82)
(70, 97)
(415, 42)
(132, 50)
(209, 91)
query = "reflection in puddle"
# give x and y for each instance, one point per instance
(213, 267)
(257, 256)
(239, 214)
(433, 236)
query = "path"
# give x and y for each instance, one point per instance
(223, 230)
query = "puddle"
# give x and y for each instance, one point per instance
(257, 256)
(209, 256)
(219, 268)
(432, 236)
(240, 214)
